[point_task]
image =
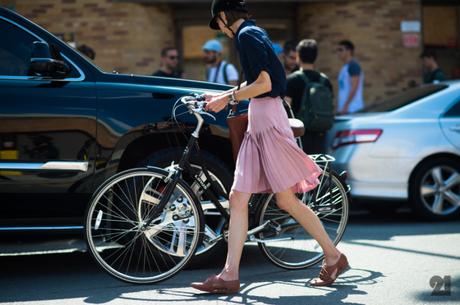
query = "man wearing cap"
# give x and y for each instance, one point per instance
(218, 70)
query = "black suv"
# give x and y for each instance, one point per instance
(66, 126)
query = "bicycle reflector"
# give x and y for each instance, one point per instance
(346, 137)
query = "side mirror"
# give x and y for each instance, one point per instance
(43, 64)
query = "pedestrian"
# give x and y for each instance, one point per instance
(351, 80)
(310, 94)
(289, 57)
(269, 159)
(87, 51)
(433, 73)
(169, 64)
(218, 70)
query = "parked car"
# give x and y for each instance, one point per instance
(406, 148)
(66, 126)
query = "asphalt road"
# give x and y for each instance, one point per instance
(393, 259)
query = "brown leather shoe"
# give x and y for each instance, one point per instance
(213, 284)
(329, 274)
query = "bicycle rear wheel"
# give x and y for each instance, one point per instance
(285, 242)
(118, 236)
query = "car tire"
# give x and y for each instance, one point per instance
(217, 168)
(430, 178)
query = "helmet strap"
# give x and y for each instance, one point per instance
(226, 24)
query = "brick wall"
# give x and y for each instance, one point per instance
(374, 28)
(126, 37)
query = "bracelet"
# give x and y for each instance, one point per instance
(232, 100)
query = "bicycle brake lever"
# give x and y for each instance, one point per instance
(208, 114)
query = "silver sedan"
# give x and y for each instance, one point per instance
(406, 148)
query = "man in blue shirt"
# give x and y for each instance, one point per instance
(351, 80)
(218, 70)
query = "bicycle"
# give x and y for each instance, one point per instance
(143, 225)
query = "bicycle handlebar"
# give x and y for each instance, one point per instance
(196, 104)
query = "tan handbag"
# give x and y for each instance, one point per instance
(297, 127)
(237, 125)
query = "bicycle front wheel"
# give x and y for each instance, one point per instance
(120, 237)
(285, 242)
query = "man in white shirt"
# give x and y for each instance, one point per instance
(351, 80)
(218, 70)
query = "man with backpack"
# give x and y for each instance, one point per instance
(218, 70)
(310, 95)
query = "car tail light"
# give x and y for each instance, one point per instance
(346, 137)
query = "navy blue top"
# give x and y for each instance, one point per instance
(257, 54)
(354, 69)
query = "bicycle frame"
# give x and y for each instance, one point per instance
(184, 165)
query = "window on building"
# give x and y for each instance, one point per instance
(441, 33)
(440, 17)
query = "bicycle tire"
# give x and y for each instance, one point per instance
(163, 248)
(301, 257)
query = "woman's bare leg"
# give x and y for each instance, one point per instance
(288, 202)
(237, 234)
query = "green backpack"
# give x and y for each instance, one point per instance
(317, 107)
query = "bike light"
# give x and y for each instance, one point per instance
(346, 137)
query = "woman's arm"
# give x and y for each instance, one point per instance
(209, 96)
(261, 85)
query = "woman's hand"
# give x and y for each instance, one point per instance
(217, 103)
(210, 95)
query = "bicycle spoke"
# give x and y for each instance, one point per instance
(286, 243)
(121, 241)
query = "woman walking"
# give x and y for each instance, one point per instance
(269, 159)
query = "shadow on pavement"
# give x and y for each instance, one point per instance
(75, 276)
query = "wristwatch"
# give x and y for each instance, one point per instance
(232, 99)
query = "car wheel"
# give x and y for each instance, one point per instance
(434, 191)
(214, 222)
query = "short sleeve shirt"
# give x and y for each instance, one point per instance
(349, 70)
(256, 55)
(224, 67)
(354, 69)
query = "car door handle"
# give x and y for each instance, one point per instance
(455, 128)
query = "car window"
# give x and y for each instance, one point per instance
(454, 111)
(405, 98)
(15, 50)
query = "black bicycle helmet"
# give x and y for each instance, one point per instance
(225, 6)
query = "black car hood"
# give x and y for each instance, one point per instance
(160, 81)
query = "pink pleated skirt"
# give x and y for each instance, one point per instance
(269, 159)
